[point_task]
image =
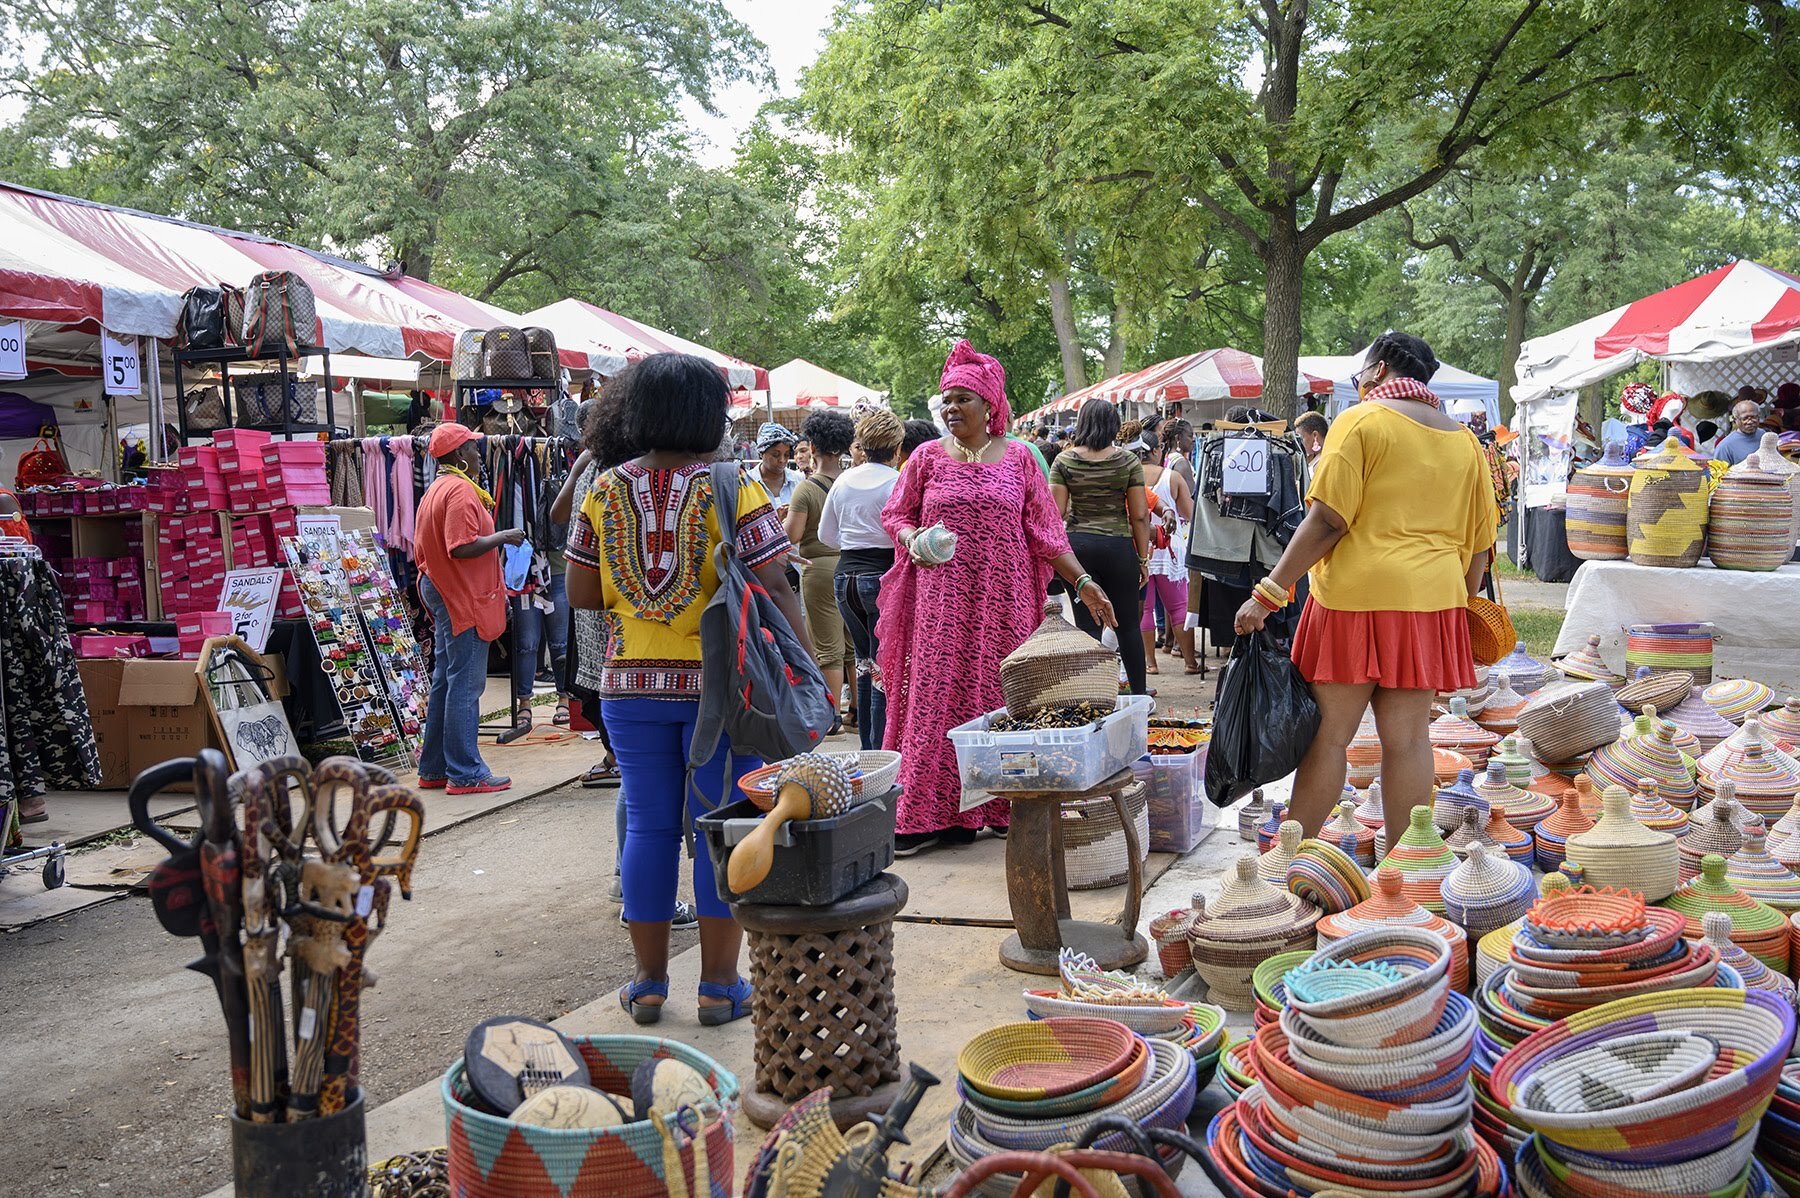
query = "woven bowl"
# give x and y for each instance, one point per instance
(1621, 1072)
(1162, 1099)
(1397, 1012)
(872, 772)
(1328, 1165)
(1102, 1093)
(1046, 1058)
(1586, 1174)
(1146, 1020)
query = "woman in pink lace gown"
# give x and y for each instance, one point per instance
(945, 627)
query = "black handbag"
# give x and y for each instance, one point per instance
(202, 323)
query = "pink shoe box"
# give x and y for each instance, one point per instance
(83, 570)
(284, 492)
(100, 590)
(281, 522)
(190, 646)
(110, 645)
(290, 455)
(204, 624)
(88, 612)
(247, 493)
(239, 447)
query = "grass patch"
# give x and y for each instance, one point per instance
(1503, 566)
(1538, 627)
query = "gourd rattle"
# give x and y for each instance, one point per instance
(810, 786)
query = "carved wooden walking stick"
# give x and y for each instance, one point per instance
(262, 960)
(220, 874)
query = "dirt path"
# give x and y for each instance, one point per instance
(113, 1058)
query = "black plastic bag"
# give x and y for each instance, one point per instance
(1263, 723)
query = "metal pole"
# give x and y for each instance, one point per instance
(159, 452)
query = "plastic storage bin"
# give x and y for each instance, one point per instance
(1052, 758)
(1176, 788)
(817, 861)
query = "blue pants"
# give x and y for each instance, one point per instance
(451, 748)
(858, 600)
(650, 738)
(530, 627)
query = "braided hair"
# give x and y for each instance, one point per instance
(1405, 355)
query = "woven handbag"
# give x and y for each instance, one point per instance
(1491, 632)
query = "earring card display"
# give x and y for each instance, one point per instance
(392, 641)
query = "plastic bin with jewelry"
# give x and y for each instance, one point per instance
(1180, 816)
(817, 861)
(1048, 759)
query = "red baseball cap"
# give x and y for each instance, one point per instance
(448, 438)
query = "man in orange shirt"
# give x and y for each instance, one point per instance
(461, 585)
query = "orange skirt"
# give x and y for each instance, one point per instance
(1398, 650)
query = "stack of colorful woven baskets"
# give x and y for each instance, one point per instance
(1326, 876)
(1090, 992)
(1363, 1086)
(1030, 1086)
(1389, 907)
(1247, 923)
(1778, 1139)
(1652, 1095)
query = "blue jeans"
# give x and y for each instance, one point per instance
(858, 599)
(529, 629)
(451, 748)
(650, 738)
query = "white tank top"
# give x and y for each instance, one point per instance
(1170, 562)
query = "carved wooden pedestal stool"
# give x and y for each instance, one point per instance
(1038, 889)
(823, 1003)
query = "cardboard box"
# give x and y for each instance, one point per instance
(100, 679)
(164, 712)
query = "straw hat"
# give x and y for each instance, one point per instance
(1618, 851)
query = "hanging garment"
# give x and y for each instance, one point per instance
(401, 489)
(344, 462)
(46, 734)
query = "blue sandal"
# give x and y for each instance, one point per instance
(630, 992)
(739, 994)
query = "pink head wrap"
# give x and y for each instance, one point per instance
(966, 367)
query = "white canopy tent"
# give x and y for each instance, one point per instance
(1452, 384)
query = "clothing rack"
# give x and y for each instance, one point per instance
(24, 559)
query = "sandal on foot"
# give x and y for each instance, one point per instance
(561, 718)
(604, 774)
(630, 992)
(739, 994)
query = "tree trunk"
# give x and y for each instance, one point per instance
(1114, 359)
(416, 257)
(1283, 263)
(1518, 307)
(1068, 338)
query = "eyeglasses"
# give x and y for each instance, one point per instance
(1360, 379)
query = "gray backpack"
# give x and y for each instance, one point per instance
(760, 690)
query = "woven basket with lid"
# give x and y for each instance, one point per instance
(1620, 852)
(1786, 826)
(1587, 665)
(1695, 716)
(1521, 767)
(1057, 666)
(1567, 719)
(1770, 460)
(1460, 734)
(1756, 975)
(1363, 757)
(1783, 722)
(1725, 801)
(1450, 802)
(1764, 779)
(1487, 891)
(1095, 854)
(1514, 841)
(1653, 811)
(1326, 876)
(1758, 927)
(1272, 865)
(1598, 497)
(1665, 518)
(1501, 713)
(1751, 522)
(1470, 832)
(1737, 699)
(1349, 834)
(1388, 906)
(1647, 751)
(1522, 808)
(1752, 870)
(1251, 815)
(1718, 833)
(1248, 922)
(1550, 837)
(1528, 674)
(1267, 830)
(1424, 861)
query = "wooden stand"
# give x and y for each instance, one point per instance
(822, 1003)
(1038, 889)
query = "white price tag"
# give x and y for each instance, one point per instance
(308, 1024)
(12, 350)
(119, 364)
(365, 901)
(1246, 466)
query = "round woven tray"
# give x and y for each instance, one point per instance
(1046, 1058)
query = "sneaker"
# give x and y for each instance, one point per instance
(487, 785)
(433, 783)
(686, 918)
(908, 843)
(617, 893)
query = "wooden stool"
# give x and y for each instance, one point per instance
(1038, 889)
(822, 1003)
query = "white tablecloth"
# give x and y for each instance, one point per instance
(1756, 615)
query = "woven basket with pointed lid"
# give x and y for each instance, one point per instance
(1550, 838)
(1471, 831)
(1272, 866)
(1695, 716)
(1752, 870)
(1269, 828)
(1348, 833)
(1734, 747)
(1647, 751)
(1718, 833)
(1522, 808)
(1423, 859)
(1512, 840)
(1487, 891)
(1665, 519)
(1586, 665)
(1783, 722)
(1460, 734)
(1248, 922)
(1726, 800)
(1521, 767)
(1756, 975)
(1786, 826)
(1057, 666)
(1501, 713)
(1567, 719)
(1653, 811)
(1447, 763)
(1251, 815)
(1736, 699)
(1758, 927)
(1662, 691)
(1527, 673)
(1764, 779)
(1686, 743)
(1388, 906)
(1450, 802)
(1363, 757)
(1587, 795)
(1620, 852)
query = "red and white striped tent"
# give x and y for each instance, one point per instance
(585, 322)
(1740, 309)
(1212, 375)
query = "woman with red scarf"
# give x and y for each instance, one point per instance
(1398, 533)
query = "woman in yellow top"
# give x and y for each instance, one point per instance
(1398, 533)
(641, 553)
